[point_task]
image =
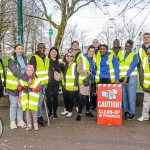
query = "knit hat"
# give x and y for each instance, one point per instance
(31, 67)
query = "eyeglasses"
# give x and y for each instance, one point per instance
(69, 56)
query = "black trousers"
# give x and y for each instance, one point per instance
(84, 99)
(69, 99)
(52, 98)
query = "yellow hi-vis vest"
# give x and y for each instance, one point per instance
(41, 70)
(30, 101)
(70, 77)
(146, 82)
(124, 65)
(86, 67)
(2, 74)
(120, 53)
(11, 80)
(111, 68)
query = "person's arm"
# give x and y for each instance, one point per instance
(132, 66)
(116, 68)
(13, 66)
(80, 69)
(36, 89)
(3, 74)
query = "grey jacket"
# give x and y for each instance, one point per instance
(13, 66)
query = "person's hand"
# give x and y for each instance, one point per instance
(30, 82)
(74, 88)
(124, 81)
(117, 82)
(26, 89)
(88, 72)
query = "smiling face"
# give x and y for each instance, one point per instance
(103, 50)
(41, 49)
(69, 57)
(91, 52)
(116, 43)
(29, 72)
(128, 47)
(19, 50)
(53, 54)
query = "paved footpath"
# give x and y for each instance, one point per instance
(68, 134)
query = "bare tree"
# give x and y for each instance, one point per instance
(67, 9)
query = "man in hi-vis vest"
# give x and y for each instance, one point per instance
(38, 61)
(144, 75)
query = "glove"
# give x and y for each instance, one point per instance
(26, 89)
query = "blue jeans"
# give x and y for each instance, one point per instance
(129, 95)
(40, 114)
(15, 110)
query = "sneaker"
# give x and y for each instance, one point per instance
(21, 124)
(13, 125)
(78, 118)
(36, 128)
(69, 114)
(55, 116)
(50, 115)
(126, 115)
(29, 127)
(142, 118)
(131, 117)
(88, 114)
(64, 112)
(77, 108)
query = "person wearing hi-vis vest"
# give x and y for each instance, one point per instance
(144, 75)
(15, 72)
(116, 49)
(38, 61)
(107, 67)
(2, 77)
(29, 97)
(53, 64)
(86, 68)
(70, 84)
(128, 77)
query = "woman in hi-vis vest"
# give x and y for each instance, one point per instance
(86, 68)
(70, 83)
(15, 72)
(128, 76)
(107, 67)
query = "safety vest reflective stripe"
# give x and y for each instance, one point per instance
(12, 82)
(124, 65)
(41, 72)
(41, 69)
(1, 71)
(86, 67)
(70, 77)
(111, 69)
(30, 102)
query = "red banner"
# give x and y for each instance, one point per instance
(109, 104)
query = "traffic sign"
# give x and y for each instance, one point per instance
(50, 31)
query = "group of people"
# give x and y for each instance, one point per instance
(28, 83)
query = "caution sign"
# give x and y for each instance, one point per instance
(109, 104)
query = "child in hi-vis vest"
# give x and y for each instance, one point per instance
(29, 97)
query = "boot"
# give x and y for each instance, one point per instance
(41, 121)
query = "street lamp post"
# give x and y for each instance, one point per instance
(20, 21)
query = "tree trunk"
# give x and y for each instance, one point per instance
(60, 35)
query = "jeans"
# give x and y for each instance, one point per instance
(129, 95)
(15, 110)
(40, 114)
